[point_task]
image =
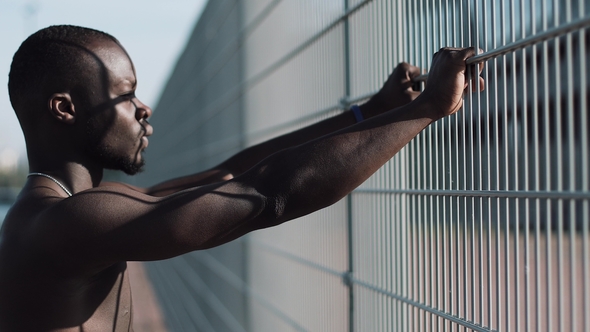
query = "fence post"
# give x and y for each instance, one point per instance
(348, 277)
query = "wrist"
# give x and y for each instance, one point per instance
(372, 108)
(358, 113)
(428, 107)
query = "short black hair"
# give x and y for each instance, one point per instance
(53, 58)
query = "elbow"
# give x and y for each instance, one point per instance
(298, 203)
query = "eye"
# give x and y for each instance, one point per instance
(128, 96)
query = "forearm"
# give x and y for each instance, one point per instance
(311, 176)
(249, 157)
(244, 160)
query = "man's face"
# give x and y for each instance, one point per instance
(116, 127)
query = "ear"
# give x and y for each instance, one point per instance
(62, 108)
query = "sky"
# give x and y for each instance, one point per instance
(153, 32)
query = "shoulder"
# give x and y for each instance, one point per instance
(70, 229)
(23, 247)
(121, 185)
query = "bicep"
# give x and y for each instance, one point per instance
(106, 225)
(211, 176)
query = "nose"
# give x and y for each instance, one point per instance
(142, 111)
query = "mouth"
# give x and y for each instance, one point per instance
(145, 142)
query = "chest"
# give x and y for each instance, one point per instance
(109, 299)
(99, 303)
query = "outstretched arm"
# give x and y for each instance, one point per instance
(105, 225)
(396, 91)
(308, 177)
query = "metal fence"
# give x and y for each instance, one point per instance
(480, 223)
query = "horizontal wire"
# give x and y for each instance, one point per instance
(193, 280)
(579, 24)
(295, 258)
(236, 91)
(279, 63)
(221, 58)
(349, 279)
(406, 300)
(574, 195)
(344, 103)
(222, 271)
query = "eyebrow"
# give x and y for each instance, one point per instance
(124, 81)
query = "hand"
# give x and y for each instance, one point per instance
(397, 90)
(447, 81)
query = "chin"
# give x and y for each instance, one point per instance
(132, 168)
(109, 158)
(128, 165)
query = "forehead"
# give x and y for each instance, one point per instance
(115, 62)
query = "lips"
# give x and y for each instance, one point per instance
(148, 130)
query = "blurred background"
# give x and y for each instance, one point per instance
(481, 223)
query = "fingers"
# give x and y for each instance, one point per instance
(468, 52)
(457, 58)
(457, 54)
(476, 86)
(480, 64)
(409, 72)
(413, 71)
(477, 82)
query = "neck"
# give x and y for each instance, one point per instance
(74, 175)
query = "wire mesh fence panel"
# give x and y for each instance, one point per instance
(480, 223)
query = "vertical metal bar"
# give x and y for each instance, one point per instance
(582, 47)
(479, 148)
(470, 207)
(401, 229)
(349, 202)
(537, 180)
(488, 186)
(421, 231)
(559, 155)
(380, 301)
(497, 184)
(452, 222)
(569, 89)
(434, 244)
(548, 167)
(404, 245)
(446, 268)
(506, 178)
(447, 201)
(413, 181)
(241, 7)
(460, 122)
(451, 15)
(516, 170)
(525, 149)
(472, 111)
(429, 200)
(387, 202)
(465, 15)
(436, 200)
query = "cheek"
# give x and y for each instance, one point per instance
(96, 131)
(111, 129)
